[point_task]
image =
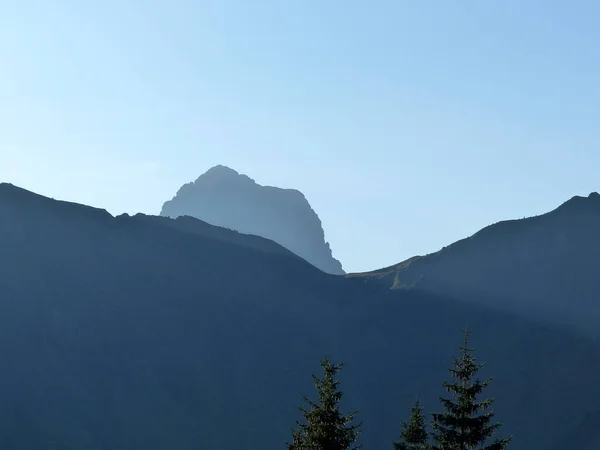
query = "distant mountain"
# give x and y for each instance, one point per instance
(148, 332)
(228, 199)
(546, 266)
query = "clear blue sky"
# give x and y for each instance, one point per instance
(407, 124)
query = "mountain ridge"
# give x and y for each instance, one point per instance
(508, 265)
(144, 331)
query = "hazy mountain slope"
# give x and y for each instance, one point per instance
(131, 333)
(226, 198)
(545, 266)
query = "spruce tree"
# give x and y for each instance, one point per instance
(414, 435)
(324, 426)
(465, 424)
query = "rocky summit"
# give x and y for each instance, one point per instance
(226, 198)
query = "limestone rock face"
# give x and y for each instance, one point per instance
(225, 198)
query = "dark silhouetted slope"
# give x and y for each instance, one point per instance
(546, 266)
(228, 199)
(586, 436)
(147, 332)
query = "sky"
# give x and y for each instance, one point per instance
(407, 124)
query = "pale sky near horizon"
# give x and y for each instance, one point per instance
(407, 124)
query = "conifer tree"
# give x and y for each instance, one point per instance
(414, 434)
(324, 426)
(465, 425)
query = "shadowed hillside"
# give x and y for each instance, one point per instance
(147, 332)
(586, 436)
(546, 266)
(228, 199)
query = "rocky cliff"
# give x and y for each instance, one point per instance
(225, 198)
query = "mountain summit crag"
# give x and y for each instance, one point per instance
(225, 198)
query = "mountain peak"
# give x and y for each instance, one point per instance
(579, 203)
(221, 170)
(223, 175)
(224, 197)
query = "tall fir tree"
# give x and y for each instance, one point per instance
(324, 426)
(414, 434)
(465, 424)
